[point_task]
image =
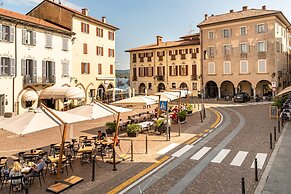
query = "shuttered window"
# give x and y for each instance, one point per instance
(85, 51)
(111, 70)
(244, 48)
(262, 66)
(194, 71)
(161, 70)
(99, 69)
(211, 68)
(244, 67)
(65, 68)
(65, 44)
(262, 46)
(110, 35)
(48, 41)
(226, 67)
(183, 70)
(110, 52)
(7, 66)
(28, 37)
(85, 68)
(99, 51)
(6, 33)
(85, 28)
(99, 32)
(173, 70)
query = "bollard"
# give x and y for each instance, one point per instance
(256, 169)
(170, 132)
(275, 139)
(243, 189)
(282, 120)
(93, 167)
(201, 118)
(279, 125)
(204, 113)
(271, 144)
(114, 161)
(131, 150)
(146, 143)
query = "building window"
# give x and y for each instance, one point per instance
(28, 37)
(99, 32)
(7, 66)
(227, 49)
(261, 28)
(226, 67)
(48, 41)
(173, 70)
(110, 35)
(194, 86)
(110, 52)
(262, 46)
(85, 68)
(243, 30)
(210, 35)
(183, 70)
(85, 28)
(244, 69)
(150, 86)
(226, 33)
(211, 68)
(65, 66)
(244, 48)
(278, 46)
(161, 70)
(85, 49)
(65, 44)
(211, 51)
(99, 51)
(150, 71)
(6, 33)
(262, 66)
(111, 69)
(173, 85)
(141, 71)
(99, 69)
(134, 58)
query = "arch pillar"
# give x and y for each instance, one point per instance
(219, 92)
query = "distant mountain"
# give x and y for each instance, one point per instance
(122, 73)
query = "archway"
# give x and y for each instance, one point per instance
(161, 87)
(264, 88)
(183, 86)
(110, 86)
(227, 89)
(245, 86)
(141, 88)
(101, 92)
(211, 90)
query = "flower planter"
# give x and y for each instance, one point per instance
(132, 134)
(189, 112)
(182, 122)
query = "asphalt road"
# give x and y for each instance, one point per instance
(216, 163)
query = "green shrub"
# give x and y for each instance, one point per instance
(182, 115)
(189, 107)
(132, 128)
(111, 126)
(279, 102)
(159, 122)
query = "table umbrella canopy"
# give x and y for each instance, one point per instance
(284, 91)
(29, 95)
(58, 92)
(136, 100)
(37, 120)
(163, 98)
(167, 95)
(97, 110)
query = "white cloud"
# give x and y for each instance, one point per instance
(35, 2)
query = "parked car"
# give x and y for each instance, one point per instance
(242, 97)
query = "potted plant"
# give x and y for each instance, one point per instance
(132, 130)
(182, 116)
(189, 109)
(111, 126)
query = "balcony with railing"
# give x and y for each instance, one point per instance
(193, 77)
(173, 57)
(161, 58)
(243, 55)
(49, 79)
(262, 55)
(30, 80)
(160, 78)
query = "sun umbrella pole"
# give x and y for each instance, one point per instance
(158, 113)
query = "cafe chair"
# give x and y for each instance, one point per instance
(16, 181)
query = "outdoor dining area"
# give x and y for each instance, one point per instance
(40, 167)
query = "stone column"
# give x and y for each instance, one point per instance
(219, 92)
(254, 91)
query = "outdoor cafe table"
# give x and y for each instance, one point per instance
(55, 158)
(145, 125)
(85, 149)
(3, 162)
(33, 152)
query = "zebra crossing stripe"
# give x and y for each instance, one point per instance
(239, 158)
(181, 151)
(220, 156)
(168, 148)
(200, 153)
(261, 157)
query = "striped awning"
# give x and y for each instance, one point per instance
(58, 92)
(29, 95)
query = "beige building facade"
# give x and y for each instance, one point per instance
(93, 47)
(245, 51)
(166, 65)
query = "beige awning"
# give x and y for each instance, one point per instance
(284, 91)
(58, 92)
(29, 95)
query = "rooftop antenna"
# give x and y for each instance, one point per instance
(191, 30)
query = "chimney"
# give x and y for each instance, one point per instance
(264, 7)
(159, 40)
(85, 11)
(231, 11)
(104, 19)
(206, 16)
(245, 8)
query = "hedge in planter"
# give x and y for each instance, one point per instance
(111, 126)
(189, 109)
(132, 130)
(182, 116)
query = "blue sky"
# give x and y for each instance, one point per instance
(141, 20)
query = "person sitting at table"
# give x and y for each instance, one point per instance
(101, 136)
(16, 171)
(34, 171)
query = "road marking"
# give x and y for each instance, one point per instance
(200, 134)
(218, 120)
(200, 153)
(205, 135)
(239, 158)
(206, 130)
(181, 151)
(261, 157)
(191, 140)
(196, 141)
(153, 168)
(210, 130)
(220, 156)
(168, 148)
